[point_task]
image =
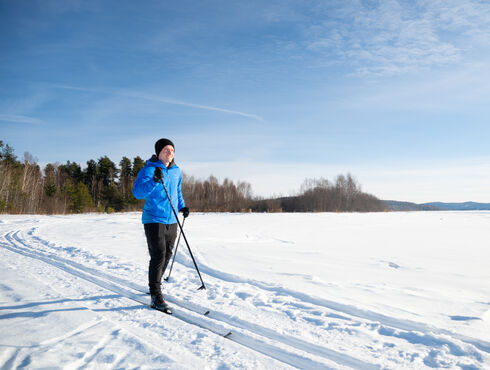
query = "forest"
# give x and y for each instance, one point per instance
(104, 186)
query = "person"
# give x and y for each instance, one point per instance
(158, 218)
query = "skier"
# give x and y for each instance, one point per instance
(158, 218)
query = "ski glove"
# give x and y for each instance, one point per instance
(185, 211)
(158, 176)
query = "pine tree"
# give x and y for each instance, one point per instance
(7, 156)
(138, 164)
(90, 179)
(107, 170)
(80, 197)
(125, 174)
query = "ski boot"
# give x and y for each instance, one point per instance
(158, 303)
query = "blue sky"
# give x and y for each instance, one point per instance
(395, 92)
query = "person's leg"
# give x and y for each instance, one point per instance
(155, 237)
(170, 236)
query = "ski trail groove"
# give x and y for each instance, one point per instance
(252, 340)
(384, 324)
(92, 354)
(224, 318)
(9, 358)
(71, 333)
(386, 321)
(134, 333)
(255, 344)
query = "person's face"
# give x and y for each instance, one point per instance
(167, 154)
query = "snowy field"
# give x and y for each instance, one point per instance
(364, 291)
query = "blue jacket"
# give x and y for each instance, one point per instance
(157, 208)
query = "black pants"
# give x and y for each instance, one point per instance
(160, 239)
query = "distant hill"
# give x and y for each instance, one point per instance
(465, 206)
(394, 205)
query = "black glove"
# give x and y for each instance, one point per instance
(158, 176)
(185, 211)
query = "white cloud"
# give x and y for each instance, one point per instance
(464, 89)
(161, 99)
(19, 119)
(390, 38)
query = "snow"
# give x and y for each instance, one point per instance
(325, 290)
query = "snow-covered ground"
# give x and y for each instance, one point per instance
(378, 290)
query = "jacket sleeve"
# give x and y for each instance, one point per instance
(144, 183)
(179, 192)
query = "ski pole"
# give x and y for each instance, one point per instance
(177, 247)
(183, 234)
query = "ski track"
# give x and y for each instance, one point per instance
(11, 358)
(283, 347)
(138, 335)
(256, 341)
(232, 321)
(384, 322)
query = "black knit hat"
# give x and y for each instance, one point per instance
(162, 143)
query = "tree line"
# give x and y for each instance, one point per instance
(104, 186)
(321, 195)
(66, 188)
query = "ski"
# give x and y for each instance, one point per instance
(167, 310)
(225, 334)
(188, 319)
(206, 313)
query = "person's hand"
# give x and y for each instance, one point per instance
(185, 211)
(158, 176)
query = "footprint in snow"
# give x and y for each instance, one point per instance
(243, 295)
(198, 339)
(314, 321)
(391, 264)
